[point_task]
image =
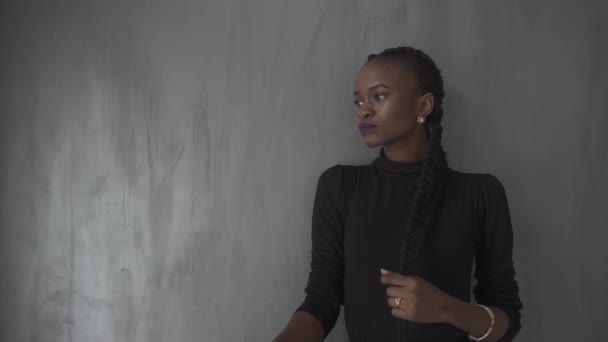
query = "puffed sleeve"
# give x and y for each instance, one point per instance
(496, 285)
(324, 290)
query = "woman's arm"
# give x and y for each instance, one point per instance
(302, 327)
(494, 270)
(475, 320)
(317, 315)
(414, 299)
(496, 287)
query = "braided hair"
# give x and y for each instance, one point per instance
(431, 183)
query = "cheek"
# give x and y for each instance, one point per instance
(399, 116)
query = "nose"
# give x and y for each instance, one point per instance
(365, 112)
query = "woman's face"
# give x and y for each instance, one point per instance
(387, 103)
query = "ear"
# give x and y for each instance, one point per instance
(425, 104)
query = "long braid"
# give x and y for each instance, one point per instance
(432, 180)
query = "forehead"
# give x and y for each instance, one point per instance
(391, 73)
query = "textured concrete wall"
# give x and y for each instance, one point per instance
(159, 158)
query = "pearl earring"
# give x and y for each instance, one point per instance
(420, 119)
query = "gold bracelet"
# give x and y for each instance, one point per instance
(492, 318)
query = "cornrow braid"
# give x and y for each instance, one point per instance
(431, 183)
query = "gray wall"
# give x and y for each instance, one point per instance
(159, 158)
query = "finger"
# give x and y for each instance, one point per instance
(395, 279)
(397, 291)
(393, 303)
(400, 314)
(383, 271)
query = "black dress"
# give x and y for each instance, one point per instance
(359, 217)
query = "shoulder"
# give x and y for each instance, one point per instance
(340, 181)
(476, 181)
(480, 189)
(344, 175)
(486, 198)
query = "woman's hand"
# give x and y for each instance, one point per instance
(420, 300)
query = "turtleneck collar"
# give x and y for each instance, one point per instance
(389, 166)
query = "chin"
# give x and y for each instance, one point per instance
(371, 141)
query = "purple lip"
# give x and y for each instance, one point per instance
(365, 128)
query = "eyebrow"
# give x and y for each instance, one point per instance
(380, 85)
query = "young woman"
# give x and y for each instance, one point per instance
(394, 241)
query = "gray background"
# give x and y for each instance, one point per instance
(159, 158)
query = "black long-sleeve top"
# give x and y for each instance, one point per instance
(359, 217)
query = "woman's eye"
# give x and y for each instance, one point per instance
(380, 97)
(358, 103)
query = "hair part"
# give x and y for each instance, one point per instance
(431, 183)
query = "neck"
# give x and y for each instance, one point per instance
(407, 151)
